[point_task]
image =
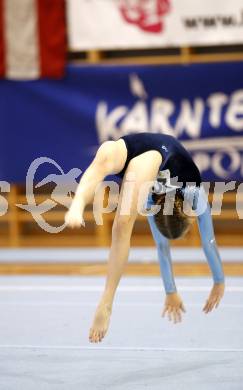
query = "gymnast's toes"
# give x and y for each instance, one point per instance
(96, 336)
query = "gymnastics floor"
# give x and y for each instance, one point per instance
(44, 336)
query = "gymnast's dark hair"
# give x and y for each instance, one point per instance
(171, 226)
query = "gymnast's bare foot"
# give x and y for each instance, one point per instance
(74, 216)
(100, 323)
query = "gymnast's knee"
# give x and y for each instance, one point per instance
(104, 158)
(123, 224)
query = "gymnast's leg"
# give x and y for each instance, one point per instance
(145, 168)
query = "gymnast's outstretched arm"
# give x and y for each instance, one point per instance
(163, 248)
(205, 225)
(209, 245)
(173, 303)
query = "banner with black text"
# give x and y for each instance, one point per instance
(119, 24)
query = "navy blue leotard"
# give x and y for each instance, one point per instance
(178, 161)
(175, 157)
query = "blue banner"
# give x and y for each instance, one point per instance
(66, 120)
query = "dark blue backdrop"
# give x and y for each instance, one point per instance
(66, 120)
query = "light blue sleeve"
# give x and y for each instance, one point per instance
(205, 225)
(163, 249)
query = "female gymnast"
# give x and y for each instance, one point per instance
(147, 156)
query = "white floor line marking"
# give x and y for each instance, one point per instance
(117, 304)
(98, 288)
(100, 348)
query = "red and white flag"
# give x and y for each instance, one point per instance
(32, 38)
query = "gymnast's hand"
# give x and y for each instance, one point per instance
(173, 307)
(215, 296)
(74, 216)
